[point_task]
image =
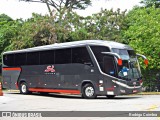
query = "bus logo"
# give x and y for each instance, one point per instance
(134, 83)
(50, 68)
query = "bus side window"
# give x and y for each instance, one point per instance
(47, 57)
(63, 56)
(33, 58)
(81, 55)
(109, 65)
(8, 59)
(20, 59)
(97, 52)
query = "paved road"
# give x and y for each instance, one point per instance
(13, 101)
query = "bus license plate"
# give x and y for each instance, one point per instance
(135, 91)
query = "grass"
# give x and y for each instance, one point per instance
(149, 93)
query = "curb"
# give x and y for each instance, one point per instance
(149, 93)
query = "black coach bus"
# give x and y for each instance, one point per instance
(88, 67)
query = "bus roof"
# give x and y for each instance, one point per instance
(109, 44)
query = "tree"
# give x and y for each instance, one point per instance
(106, 25)
(150, 3)
(36, 31)
(8, 30)
(60, 4)
(143, 35)
(5, 18)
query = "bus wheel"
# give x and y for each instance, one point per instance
(110, 96)
(24, 88)
(88, 91)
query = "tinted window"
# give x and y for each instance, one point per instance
(109, 65)
(63, 56)
(97, 52)
(131, 53)
(80, 55)
(47, 57)
(8, 59)
(33, 58)
(20, 59)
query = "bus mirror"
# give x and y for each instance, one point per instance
(119, 62)
(145, 59)
(146, 62)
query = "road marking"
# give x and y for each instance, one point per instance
(153, 107)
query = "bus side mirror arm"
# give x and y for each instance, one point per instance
(144, 57)
(119, 59)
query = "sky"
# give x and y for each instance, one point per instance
(24, 10)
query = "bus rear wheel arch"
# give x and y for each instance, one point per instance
(88, 91)
(23, 87)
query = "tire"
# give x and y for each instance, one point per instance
(88, 91)
(110, 96)
(24, 88)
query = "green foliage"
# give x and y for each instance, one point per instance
(143, 35)
(8, 30)
(4, 19)
(64, 26)
(106, 25)
(36, 31)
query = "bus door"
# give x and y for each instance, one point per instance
(10, 78)
(109, 65)
(69, 76)
(72, 75)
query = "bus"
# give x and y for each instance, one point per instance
(89, 68)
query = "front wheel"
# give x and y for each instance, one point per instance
(24, 88)
(88, 91)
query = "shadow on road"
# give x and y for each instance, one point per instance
(66, 96)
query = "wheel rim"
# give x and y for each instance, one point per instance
(89, 91)
(24, 88)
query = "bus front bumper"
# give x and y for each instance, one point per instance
(124, 89)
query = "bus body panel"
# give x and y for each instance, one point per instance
(10, 77)
(36, 77)
(67, 76)
(70, 77)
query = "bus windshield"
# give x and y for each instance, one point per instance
(130, 68)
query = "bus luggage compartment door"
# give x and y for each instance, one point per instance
(6, 82)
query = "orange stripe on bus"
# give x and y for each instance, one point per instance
(18, 69)
(54, 90)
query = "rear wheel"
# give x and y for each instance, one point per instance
(24, 88)
(88, 91)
